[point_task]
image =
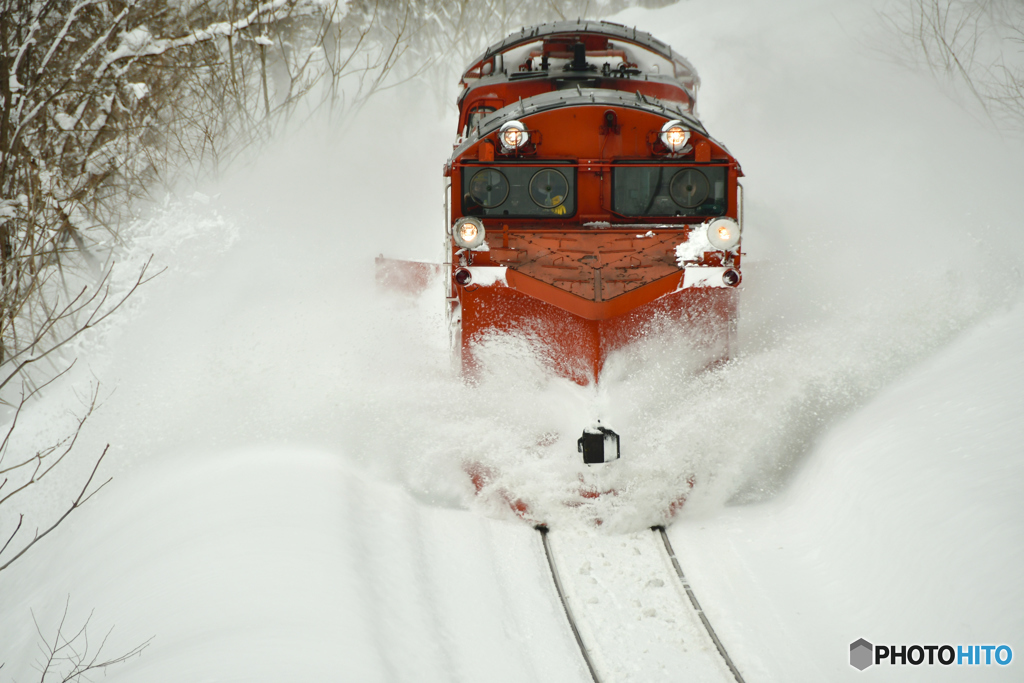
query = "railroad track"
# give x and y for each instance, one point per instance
(565, 605)
(612, 589)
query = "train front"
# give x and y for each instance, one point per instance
(592, 210)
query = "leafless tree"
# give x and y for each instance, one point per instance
(101, 101)
(976, 43)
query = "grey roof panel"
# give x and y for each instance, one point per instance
(684, 69)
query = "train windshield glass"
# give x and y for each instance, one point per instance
(669, 191)
(519, 191)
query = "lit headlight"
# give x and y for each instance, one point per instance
(724, 233)
(675, 136)
(513, 135)
(468, 232)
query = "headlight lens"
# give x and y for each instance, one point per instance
(724, 233)
(675, 136)
(513, 135)
(468, 232)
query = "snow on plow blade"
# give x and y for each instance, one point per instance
(576, 340)
(410, 277)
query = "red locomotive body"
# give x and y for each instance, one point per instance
(586, 200)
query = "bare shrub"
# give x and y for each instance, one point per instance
(19, 472)
(106, 101)
(103, 102)
(978, 44)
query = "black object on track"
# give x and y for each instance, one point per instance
(693, 600)
(565, 605)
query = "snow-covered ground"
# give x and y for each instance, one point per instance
(906, 525)
(288, 444)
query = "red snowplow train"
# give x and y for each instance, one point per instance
(586, 205)
(585, 200)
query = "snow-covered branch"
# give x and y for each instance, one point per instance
(63, 33)
(139, 42)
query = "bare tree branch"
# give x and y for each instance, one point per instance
(79, 501)
(70, 656)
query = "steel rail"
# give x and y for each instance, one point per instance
(565, 603)
(696, 605)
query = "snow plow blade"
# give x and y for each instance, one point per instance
(410, 277)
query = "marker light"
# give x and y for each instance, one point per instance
(675, 136)
(468, 232)
(513, 135)
(724, 233)
(464, 277)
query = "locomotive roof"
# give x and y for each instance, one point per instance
(580, 97)
(566, 77)
(684, 70)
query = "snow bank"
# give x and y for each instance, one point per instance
(906, 526)
(285, 564)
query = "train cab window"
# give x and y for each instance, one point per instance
(488, 188)
(549, 188)
(477, 113)
(519, 191)
(669, 191)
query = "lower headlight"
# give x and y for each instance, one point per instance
(724, 233)
(468, 232)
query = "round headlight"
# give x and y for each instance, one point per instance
(468, 232)
(675, 136)
(723, 233)
(513, 135)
